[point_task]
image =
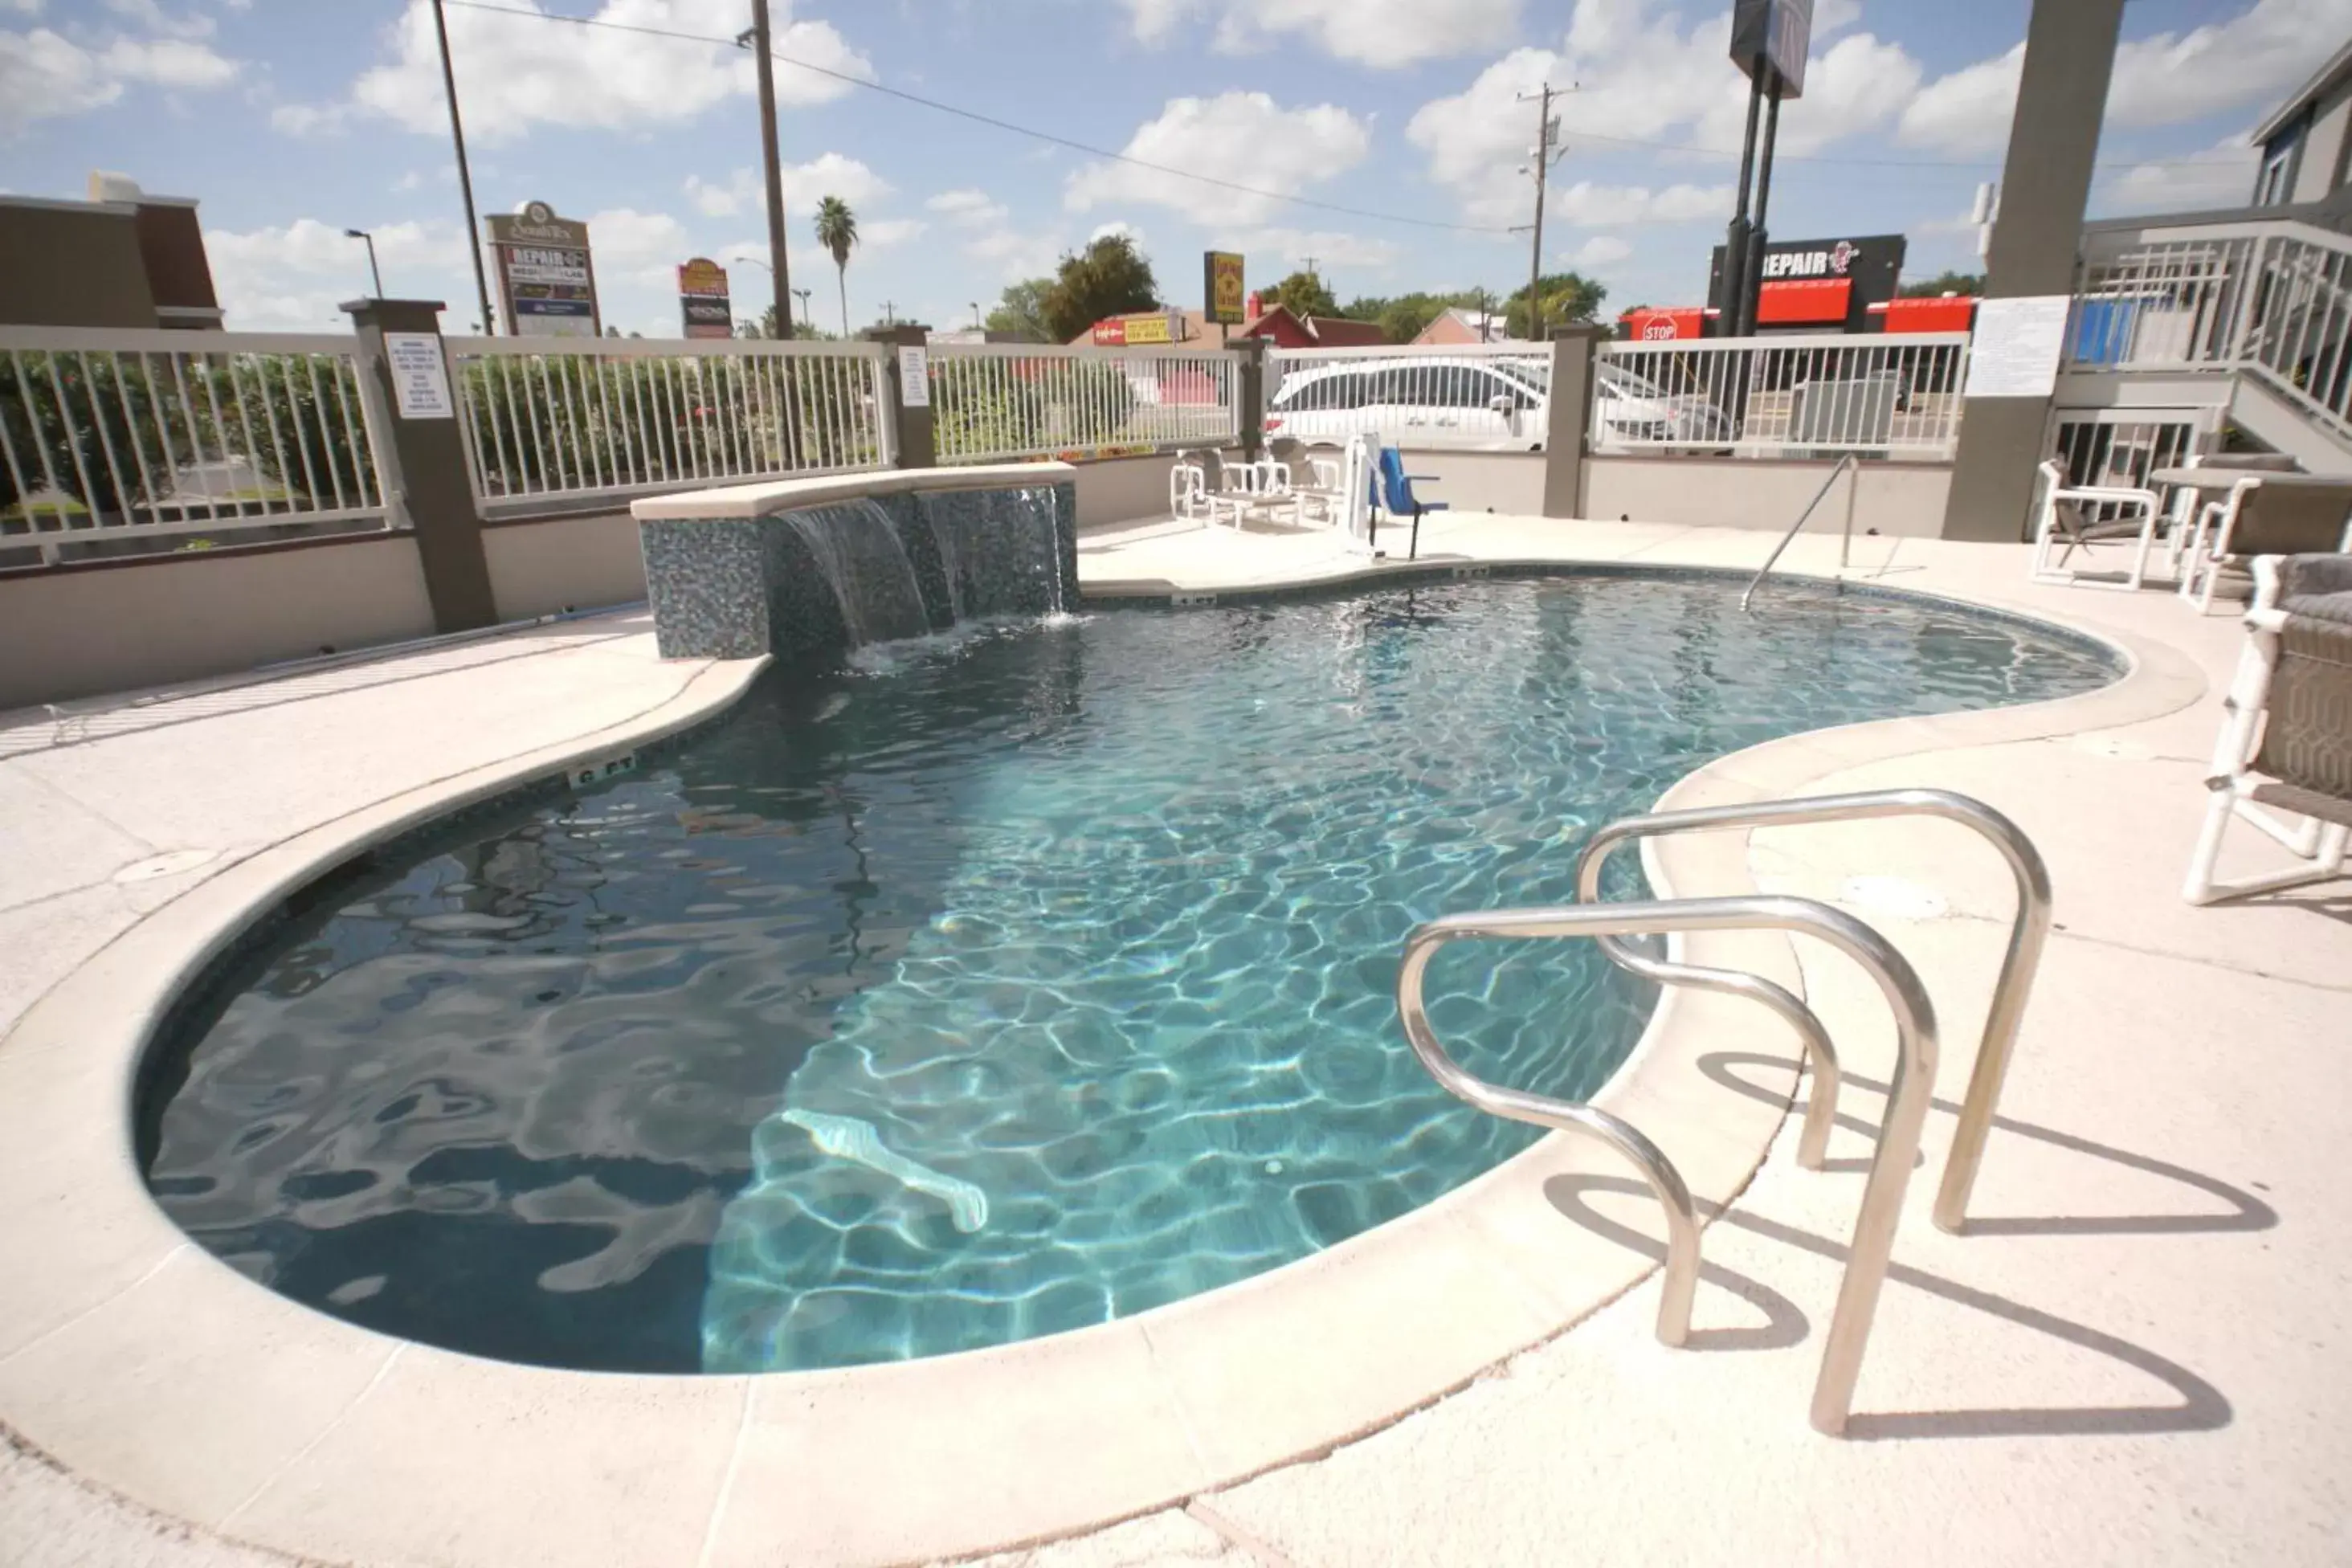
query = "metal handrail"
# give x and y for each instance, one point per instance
(1848, 461)
(1890, 1169)
(2027, 936)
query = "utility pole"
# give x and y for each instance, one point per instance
(761, 45)
(465, 176)
(1544, 156)
(889, 314)
(1732, 290)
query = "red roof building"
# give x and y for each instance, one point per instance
(1289, 331)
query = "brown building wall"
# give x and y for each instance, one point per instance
(73, 264)
(179, 274)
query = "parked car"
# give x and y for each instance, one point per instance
(1499, 404)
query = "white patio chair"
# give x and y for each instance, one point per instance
(2063, 521)
(2286, 738)
(2262, 515)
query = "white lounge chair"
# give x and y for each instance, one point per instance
(2264, 514)
(2286, 740)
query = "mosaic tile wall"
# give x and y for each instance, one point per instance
(735, 588)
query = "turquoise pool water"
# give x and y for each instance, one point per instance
(991, 985)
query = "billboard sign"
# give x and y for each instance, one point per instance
(547, 280)
(1223, 287)
(1825, 283)
(1781, 32)
(702, 299)
(1127, 331)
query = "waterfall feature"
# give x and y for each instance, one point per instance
(858, 555)
(999, 549)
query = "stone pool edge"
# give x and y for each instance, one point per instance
(168, 1377)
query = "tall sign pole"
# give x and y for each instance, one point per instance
(465, 177)
(779, 269)
(1769, 40)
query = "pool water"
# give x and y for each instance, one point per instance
(991, 985)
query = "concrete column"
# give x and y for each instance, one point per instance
(915, 436)
(2069, 55)
(1252, 394)
(420, 465)
(1573, 349)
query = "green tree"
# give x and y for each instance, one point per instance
(1969, 283)
(1108, 277)
(1405, 317)
(1303, 294)
(1567, 297)
(837, 230)
(1021, 311)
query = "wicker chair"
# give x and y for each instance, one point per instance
(2286, 742)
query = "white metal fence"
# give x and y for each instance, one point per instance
(132, 434)
(1783, 396)
(626, 417)
(2272, 298)
(1488, 396)
(991, 400)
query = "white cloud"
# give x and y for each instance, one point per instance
(625, 238)
(1329, 248)
(155, 19)
(2243, 62)
(293, 276)
(746, 190)
(1968, 111)
(1118, 229)
(883, 232)
(1244, 137)
(44, 74)
(2221, 176)
(1604, 206)
(969, 208)
(516, 72)
(1644, 75)
(1379, 33)
(1601, 250)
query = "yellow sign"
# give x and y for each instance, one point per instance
(1225, 291)
(1147, 330)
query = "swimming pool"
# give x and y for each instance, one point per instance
(991, 985)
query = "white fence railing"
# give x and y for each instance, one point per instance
(1783, 396)
(1487, 396)
(2273, 299)
(627, 416)
(132, 434)
(991, 400)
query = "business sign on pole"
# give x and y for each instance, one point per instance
(1780, 31)
(1223, 287)
(547, 280)
(702, 299)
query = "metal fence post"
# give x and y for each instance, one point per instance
(914, 434)
(422, 468)
(1573, 349)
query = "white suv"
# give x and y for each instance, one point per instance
(1498, 405)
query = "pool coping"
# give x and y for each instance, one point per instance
(148, 1367)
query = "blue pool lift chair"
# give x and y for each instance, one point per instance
(1396, 494)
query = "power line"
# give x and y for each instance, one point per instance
(978, 118)
(1094, 152)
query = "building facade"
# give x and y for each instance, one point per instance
(123, 258)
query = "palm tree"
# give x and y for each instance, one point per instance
(837, 230)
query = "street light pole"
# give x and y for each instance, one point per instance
(361, 233)
(465, 176)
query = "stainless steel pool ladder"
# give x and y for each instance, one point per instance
(2028, 933)
(1845, 545)
(1899, 1139)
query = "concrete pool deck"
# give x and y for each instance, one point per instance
(2129, 1359)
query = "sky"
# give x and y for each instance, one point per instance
(292, 121)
